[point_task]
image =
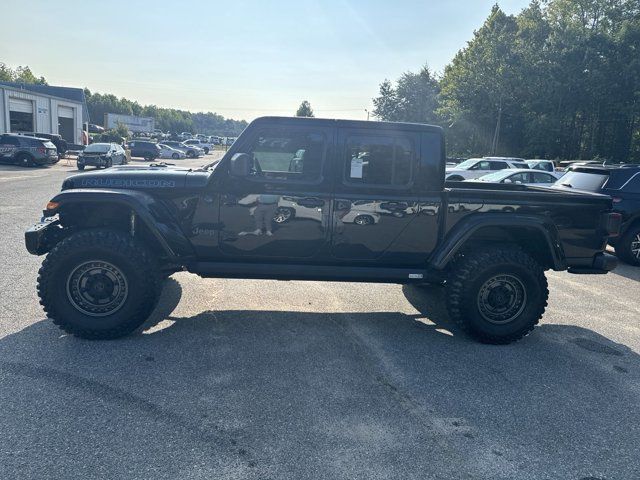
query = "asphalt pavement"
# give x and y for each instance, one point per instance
(256, 379)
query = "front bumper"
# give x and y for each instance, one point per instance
(92, 161)
(602, 263)
(39, 238)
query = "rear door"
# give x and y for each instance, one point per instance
(378, 198)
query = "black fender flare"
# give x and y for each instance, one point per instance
(147, 209)
(466, 227)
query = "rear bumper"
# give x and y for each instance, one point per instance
(602, 263)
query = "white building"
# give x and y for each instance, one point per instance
(43, 109)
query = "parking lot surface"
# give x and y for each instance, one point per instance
(263, 379)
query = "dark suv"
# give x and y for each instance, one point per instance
(145, 149)
(61, 144)
(622, 183)
(27, 151)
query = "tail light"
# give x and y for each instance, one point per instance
(616, 199)
(42, 150)
(611, 223)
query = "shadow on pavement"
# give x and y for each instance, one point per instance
(628, 271)
(290, 394)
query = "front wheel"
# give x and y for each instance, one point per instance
(175, 156)
(80, 167)
(98, 284)
(497, 294)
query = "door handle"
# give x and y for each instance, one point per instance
(310, 202)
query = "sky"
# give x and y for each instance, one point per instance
(239, 58)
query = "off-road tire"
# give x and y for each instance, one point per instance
(623, 246)
(471, 272)
(143, 281)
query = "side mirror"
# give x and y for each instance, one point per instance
(240, 165)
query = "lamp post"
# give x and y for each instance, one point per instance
(367, 114)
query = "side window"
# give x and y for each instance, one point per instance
(543, 178)
(499, 165)
(291, 154)
(10, 141)
(634, 184)
(519, 178)
(376, 160)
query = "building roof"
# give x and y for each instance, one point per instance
(65, 93)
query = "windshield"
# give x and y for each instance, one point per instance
(467, 164)
(495, 177)
(97, 148)
(591, 182)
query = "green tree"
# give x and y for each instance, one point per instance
(304, 110)
(414, 98)
(20, 74)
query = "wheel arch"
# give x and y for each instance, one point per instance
(135, 212)
(535, 235)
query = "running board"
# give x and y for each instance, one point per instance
(313, 272)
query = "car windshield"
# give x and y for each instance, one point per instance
(496, 176)
(467, 164)
(97, 148)
(591, 182)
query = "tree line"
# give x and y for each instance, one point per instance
(560, 80)
(166, 119)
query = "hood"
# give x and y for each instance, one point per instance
(138, 178)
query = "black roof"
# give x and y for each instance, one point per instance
(69, 93)
(347, 123)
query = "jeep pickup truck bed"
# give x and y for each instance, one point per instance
(314, 199)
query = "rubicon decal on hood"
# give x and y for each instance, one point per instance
(127, 183)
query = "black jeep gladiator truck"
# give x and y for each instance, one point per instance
(314, 199)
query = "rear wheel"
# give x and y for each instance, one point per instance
(497, 294)
(25, 160)
(80, 167)
(98, 284)
(175, 156)
(628, 246)
(363, 220)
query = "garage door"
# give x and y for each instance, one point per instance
(20, 105)
(65, 112)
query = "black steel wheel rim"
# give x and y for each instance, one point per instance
(502, 298)
(97, 288)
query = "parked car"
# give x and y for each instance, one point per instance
(522, 176)
(169, 152)
(60, 143)
(623, 185)
(218, 221)
(101, 155)
(145, 149)
(185, 135)
(93, 128)
(544, 165)
(191, 151)
(205, 146)
(27, 151)
(477, 167)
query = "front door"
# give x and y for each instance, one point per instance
(282, 208)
